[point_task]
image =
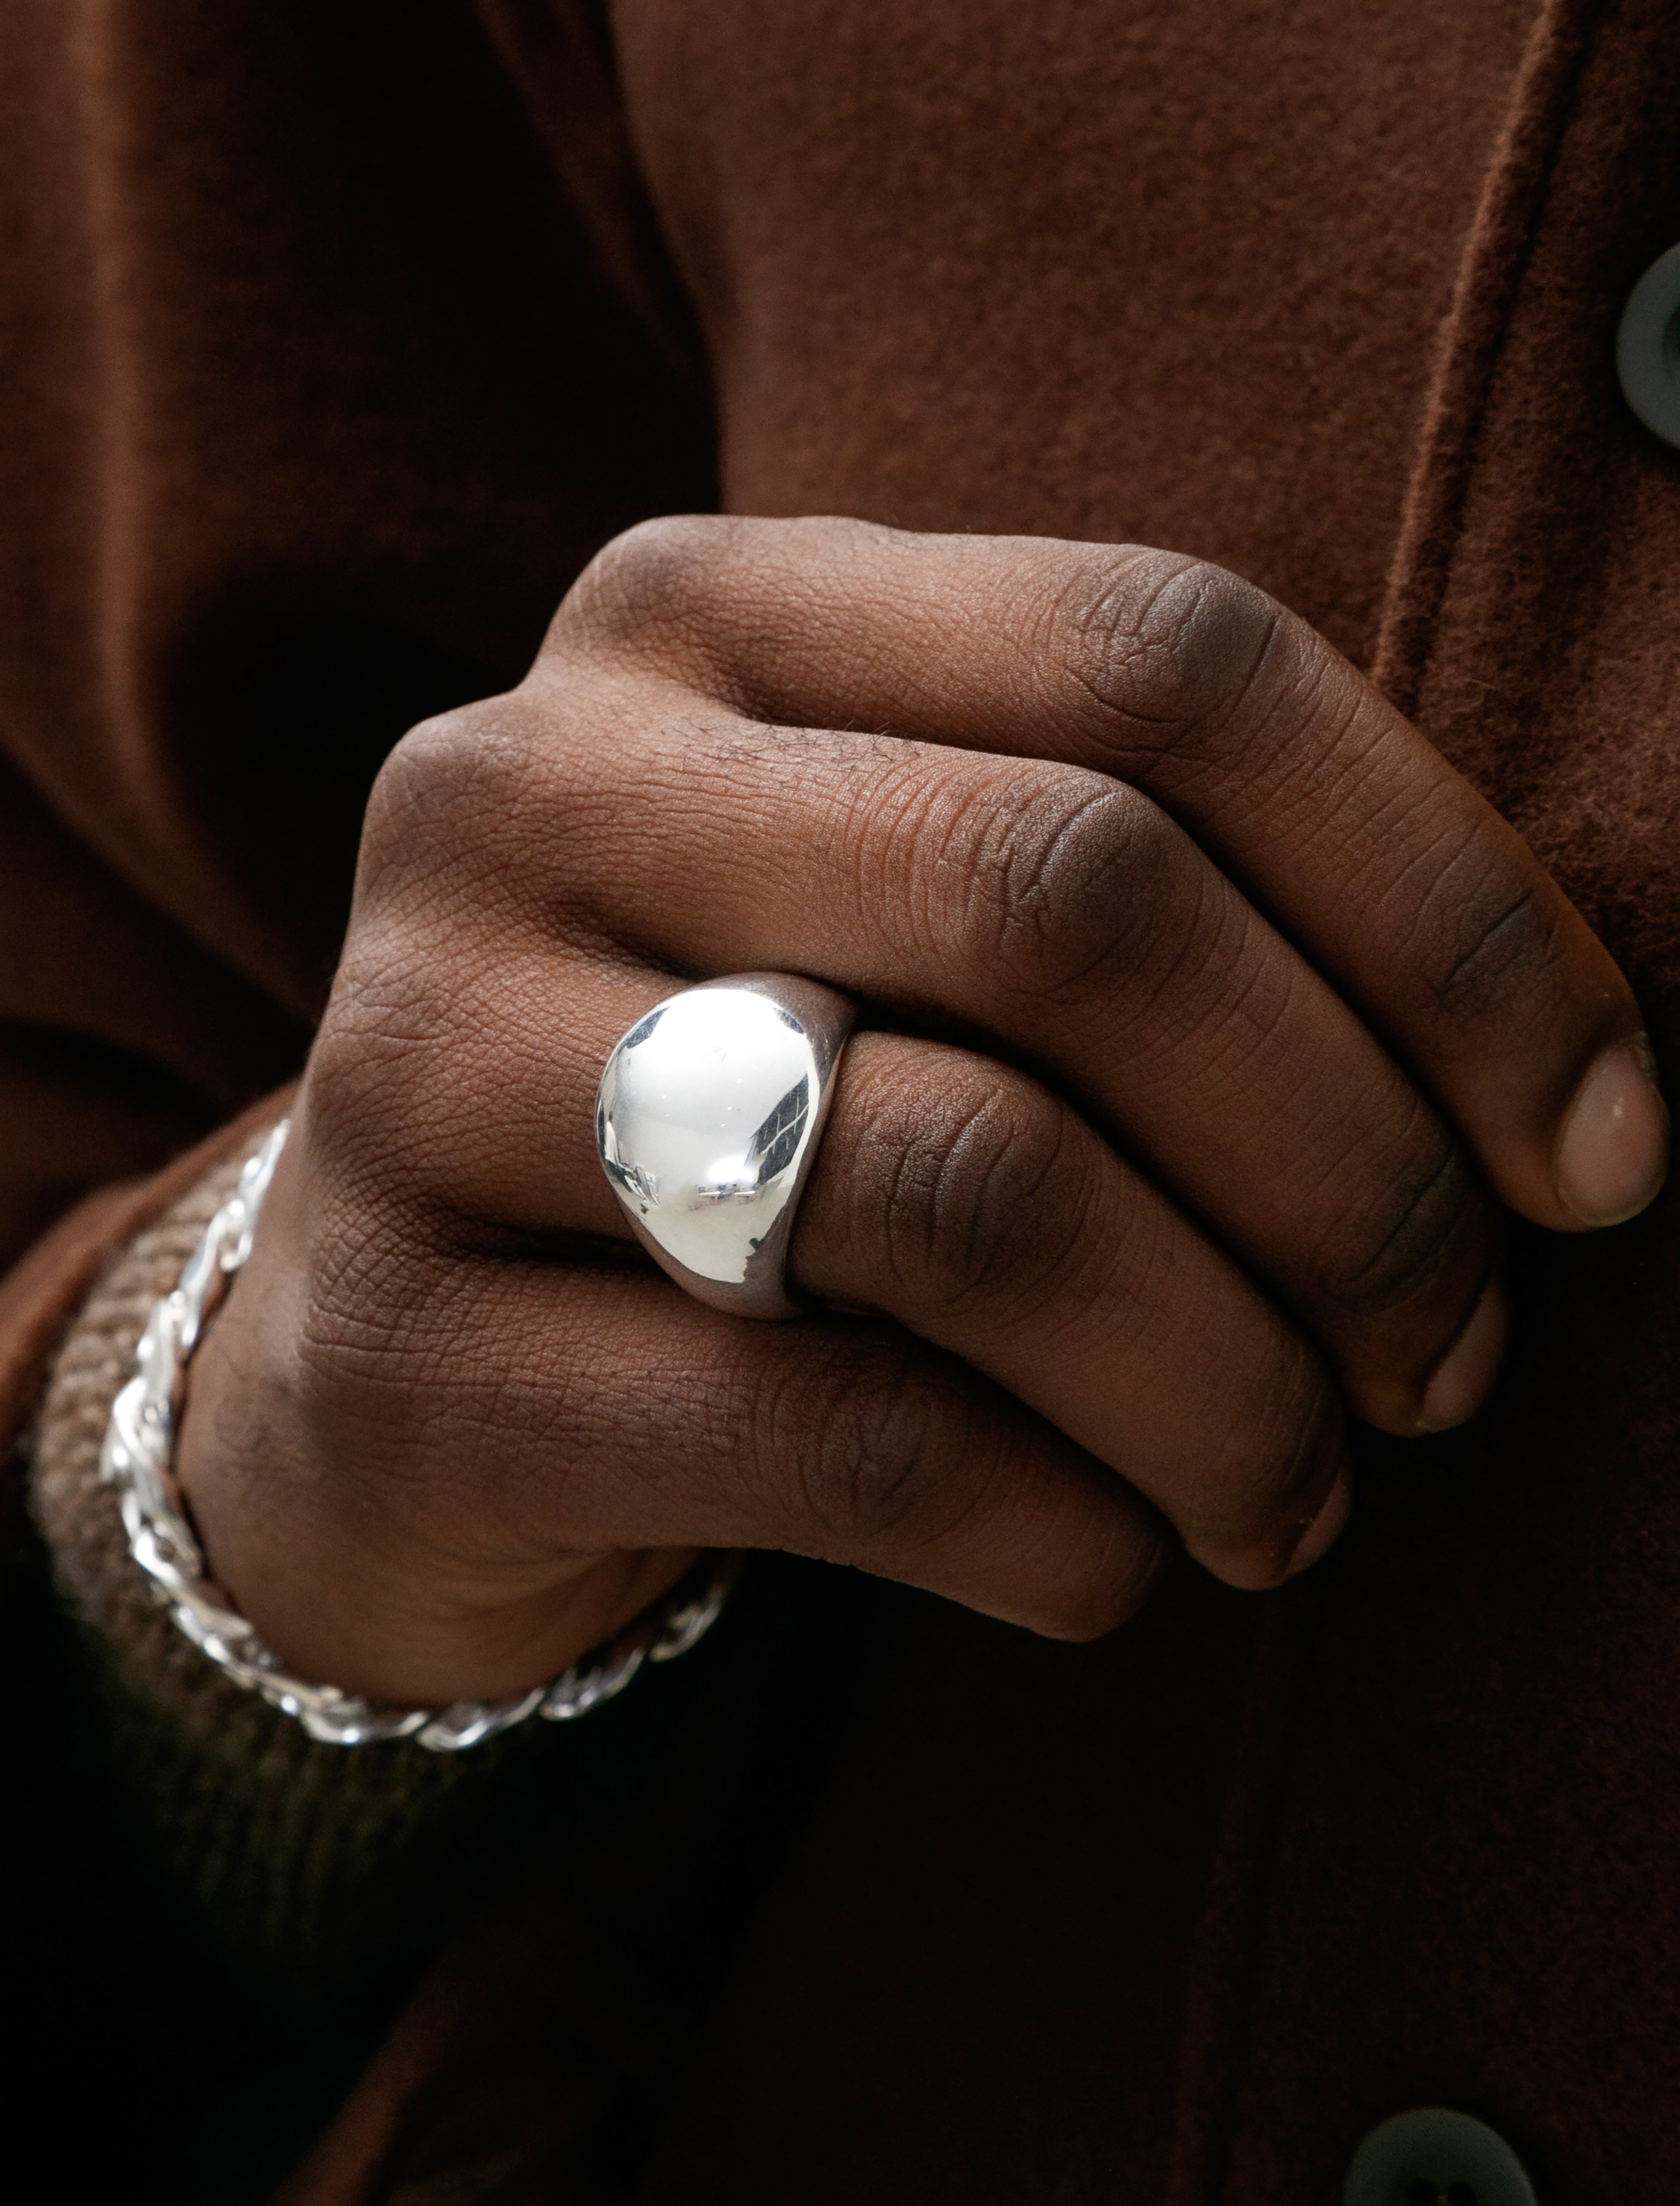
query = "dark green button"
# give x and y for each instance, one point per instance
(1434, 2156)
(1648, 348)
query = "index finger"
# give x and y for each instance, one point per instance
(1398, 880)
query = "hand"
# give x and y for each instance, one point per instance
(1207, 1017)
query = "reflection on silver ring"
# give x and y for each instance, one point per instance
(707, 1122)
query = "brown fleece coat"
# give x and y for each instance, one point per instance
(336, 339)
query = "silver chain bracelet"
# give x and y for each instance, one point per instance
(138, 1458)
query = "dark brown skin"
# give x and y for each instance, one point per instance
(1283, 1012)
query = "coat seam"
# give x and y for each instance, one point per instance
(1496, 256)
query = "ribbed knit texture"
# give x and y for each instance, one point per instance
(312, 1865)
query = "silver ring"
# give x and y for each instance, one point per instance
(706, 1123)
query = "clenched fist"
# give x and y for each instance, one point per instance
(1207, 1017)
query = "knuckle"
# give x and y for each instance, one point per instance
(403, 795)
(453, 783)
(989, 1188)
(503, 814)
(650, 586)
(1063, 885)
(696, 596)
(874, 1442)
(1167, 647)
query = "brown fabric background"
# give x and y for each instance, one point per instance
(315, 403)
(337, 339)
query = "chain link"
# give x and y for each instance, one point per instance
(138, 1458)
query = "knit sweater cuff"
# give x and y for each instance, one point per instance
(307, 1859)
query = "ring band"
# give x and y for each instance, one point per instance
(707, 1122)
